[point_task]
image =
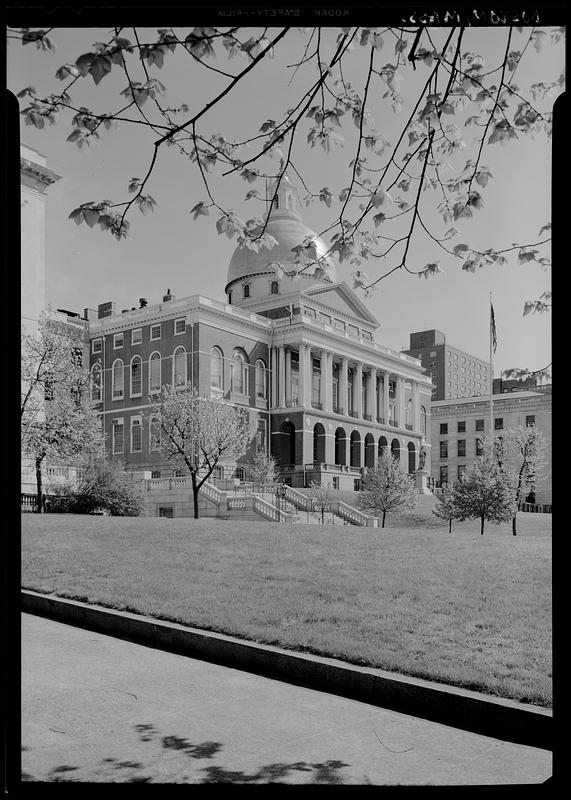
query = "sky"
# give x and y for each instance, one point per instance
(168, 250)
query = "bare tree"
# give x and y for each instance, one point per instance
(485, 493)
(198, 432)
(521, 454)
(446, 507)
(391, 188)
(68, 431)
(322, 494)
(51, 362)
(387, 489)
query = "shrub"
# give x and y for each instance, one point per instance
(105, 486)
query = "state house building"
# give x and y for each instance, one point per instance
(299, 351)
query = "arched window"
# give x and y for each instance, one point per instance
(96, 385)
(179, 367)
(246, 290)
(260, 379)
(239, 373)
(117, 380)
(154, 373)
(274, 287)
(136, 376)
(423, 421)
(216, 369)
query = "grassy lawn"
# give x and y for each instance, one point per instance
(466, 609)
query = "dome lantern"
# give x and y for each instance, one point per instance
(258, 271)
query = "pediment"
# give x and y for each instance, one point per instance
(341, 298)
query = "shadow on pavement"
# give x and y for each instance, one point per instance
(112, 770)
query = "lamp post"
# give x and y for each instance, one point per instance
(280, 495)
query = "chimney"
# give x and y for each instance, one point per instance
(105, 310)
(143, 302)
(89, 314)
(168, 296)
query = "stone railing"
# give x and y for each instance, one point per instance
(354, 516)
(237, 503)
(212, 493)
(269, 511)
(298, 499)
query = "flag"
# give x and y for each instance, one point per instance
(493, 328)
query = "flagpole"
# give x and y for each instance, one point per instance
(492, 322)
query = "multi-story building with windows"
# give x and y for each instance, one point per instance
(459, 425)
(453, 372)
(290, 343)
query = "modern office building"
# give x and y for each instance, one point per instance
(458, 426)
(454, 373)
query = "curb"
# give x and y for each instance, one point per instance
(488, 716)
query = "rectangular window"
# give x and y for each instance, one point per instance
(166, 511)
(137, 336)
(530, 421)
(479, 424)
(335, 482)
(353, 330)
(136, 435)
(179, 326)
(154, 433)
(117, 435)
(479, 447)
(261, 436)
(462, 448)
(118, 341)
(443, 428)
(136, 377)
(357, 485)
(155, 332)
(443, 449)
(462, 427)
(461, 470)
(443, 474)
(97, 345)
(499, 423)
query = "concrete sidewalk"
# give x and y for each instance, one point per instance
(100, 709)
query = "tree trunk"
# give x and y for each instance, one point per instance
(194, 494)
(514, 526)
(322, 515)
(384, 515)
(39, 485)
(481, 526)
(450, 525)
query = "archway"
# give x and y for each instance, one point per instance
(370, 451)
(287, 443)
(318, 444)
(383, 444)
(411, 457)
(340, 446)
(395, 449)
(355, 449)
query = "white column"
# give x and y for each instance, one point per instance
(328, 381)
(281, 380)
(323, 384)
(309, 376)
(400, 418)
(386, 403)
(288, 377)
(274, 368)
(371, 393)
(344, 409)
(358, 391)
(415, 407)
(302, 373)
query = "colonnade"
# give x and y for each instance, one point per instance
(363, 391)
